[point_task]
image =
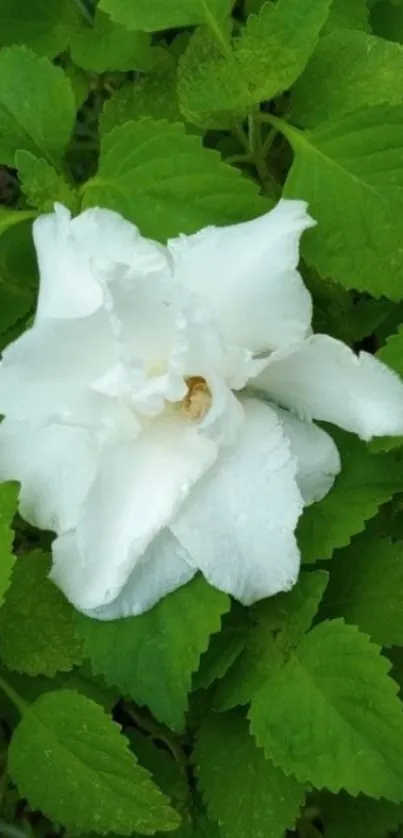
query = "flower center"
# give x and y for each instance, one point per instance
(197, 401)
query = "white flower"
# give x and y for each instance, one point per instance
(140, 409)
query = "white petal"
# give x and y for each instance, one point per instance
(323, 379)
(238, 523)
(55, 465)
(138, 489)
(317, 456)
(47, 368)
(248, 274)
(70, 250)
(163, 567)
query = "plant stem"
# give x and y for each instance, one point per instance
(258, 157)
(84, 11)
(16, 699)
(156, 731)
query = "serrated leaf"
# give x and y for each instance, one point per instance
(42, 25)
(366, 588)
(164, 642)
(224, 649)
(85, 777)
(161, 178)
(354, 163)
(347, 817)
(217, 78)
(365, 482)
(109, 46)
(8, 507)
(347, 15)
(167, 772)
(152, 95)
(331, 717)
(37, 107)
(18, 276)
(42, 184)
(348, 71)
(260, 800)
(281, 621)
(163, 14)
(37, 629)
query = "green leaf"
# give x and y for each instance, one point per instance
(10, 217)
(85, 777)
(347, 15)
(281, 621)
(266, 60)
(365, 482)
(37, 629)
(387, 21)
(366, 588)
(331, 717)
(44, 26)
(109, 46)
(351, 173)
(167, 772)
(42, 184)
(259, 800)
(164, 642)
(18, 275)
(8, 507)
(161, 178)
(345, 816)
(153, 95)
(348, 71)
(165, 14)
(37, 107)
(224, 649)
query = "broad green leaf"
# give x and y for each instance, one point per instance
(365, 482)
(134, 653)
(392, 353)
(8, 508)
(281, 621)
(348, 71)
(18, 276)
(161, 178)
(11, 217)
(42, 25)
(387, 21)
(351, 173)
(42, 184)
(217, 78)
(331, 717)
(366, 588)
(164, 14)
(224, 649)
(37, 107)
(243, 790)
(84, 776)
(153, 95)
(168, 773)
(37, 629)
(345, 14)
(109, 46)
(345, 816)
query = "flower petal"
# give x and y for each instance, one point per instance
(55, 465)
(48, 367)
(248, 274)
(162, 568)
(323, 379)
(316, 453)
(238, 523)
(138, 489)
(69, 251)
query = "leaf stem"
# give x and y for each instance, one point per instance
(16, 699)
(156, 731)
(258, 157)
(84, 11)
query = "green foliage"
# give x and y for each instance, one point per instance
(36, 106)
(330, 715)
(216, 78)
(85, 777)
(42, 184)
(151, 16)
(365, 482)
(168, 639)
(260, 800)
(8, 507)
(109, 46)
(17, 271)
(43, 25)
(346, 15)
(347, 71)
(161, 178)
(37, 630)
(344, 816)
